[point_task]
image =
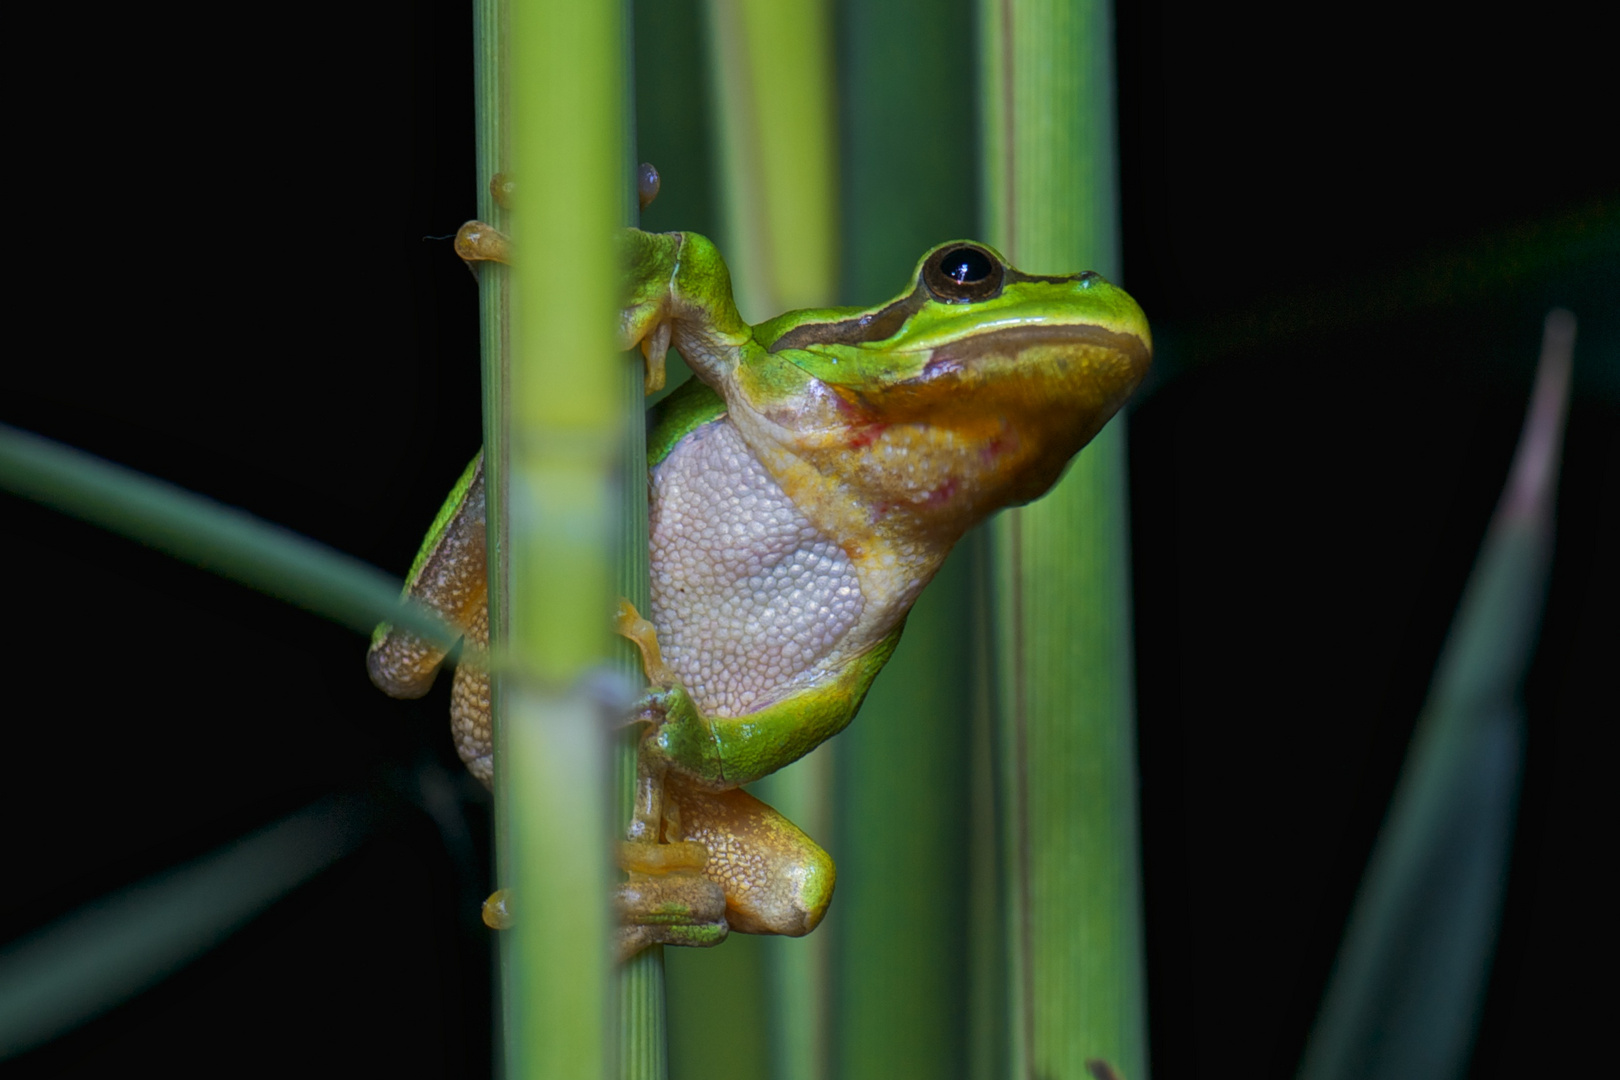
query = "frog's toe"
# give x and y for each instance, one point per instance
(497, 910)
(680, 908)
(629, 940)
(655, 347)
(643, 858)
(628, 623)
(477, 242)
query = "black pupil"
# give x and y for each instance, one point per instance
(965, 265)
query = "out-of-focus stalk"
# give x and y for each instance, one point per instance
(898, 930)
(773, 89)
(778, 173)
(229, 542)
(554, 523)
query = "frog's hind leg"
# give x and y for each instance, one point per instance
(776, 879)
(767, 876)
(470, 707)
(450, 577)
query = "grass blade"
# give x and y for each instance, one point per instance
(221, 539)
(899, 932)
(1405, 995)
(85, 963)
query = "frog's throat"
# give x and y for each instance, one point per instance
(892, 567)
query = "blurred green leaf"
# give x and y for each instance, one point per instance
(84, 963)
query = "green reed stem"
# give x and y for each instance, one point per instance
(1071, 893)
(556, 472)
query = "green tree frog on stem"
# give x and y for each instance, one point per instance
(804, 487)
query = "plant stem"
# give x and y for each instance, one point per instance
(777, 164)
(900, 936)
(1065, 702)
(554, 472)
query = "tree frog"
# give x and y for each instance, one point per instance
(804, 487)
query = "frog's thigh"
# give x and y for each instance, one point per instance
(469, 707)
(777, 880)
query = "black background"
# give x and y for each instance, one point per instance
(220, 277)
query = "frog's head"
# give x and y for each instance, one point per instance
(969, 392)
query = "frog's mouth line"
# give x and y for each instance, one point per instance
(1017, 339)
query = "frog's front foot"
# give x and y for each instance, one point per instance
(628, 623)
(677, 730)
(477, 242)
(667, 899)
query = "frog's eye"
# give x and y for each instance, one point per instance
(963, 273)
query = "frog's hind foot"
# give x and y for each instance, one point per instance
(631, 939)
(668, 900)
(776, 879)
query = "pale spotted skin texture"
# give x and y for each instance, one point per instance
(749, 598)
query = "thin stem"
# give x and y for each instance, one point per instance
(560, 453)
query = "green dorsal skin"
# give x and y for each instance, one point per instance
(441, 521)
(688, 408)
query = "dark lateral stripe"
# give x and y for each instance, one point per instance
(876, 326)
(885, 323)
(1050, 279)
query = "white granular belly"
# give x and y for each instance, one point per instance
(746, 594)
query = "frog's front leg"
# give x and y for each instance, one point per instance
(677, 290)
(477, 242)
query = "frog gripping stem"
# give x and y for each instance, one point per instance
(803, 489)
